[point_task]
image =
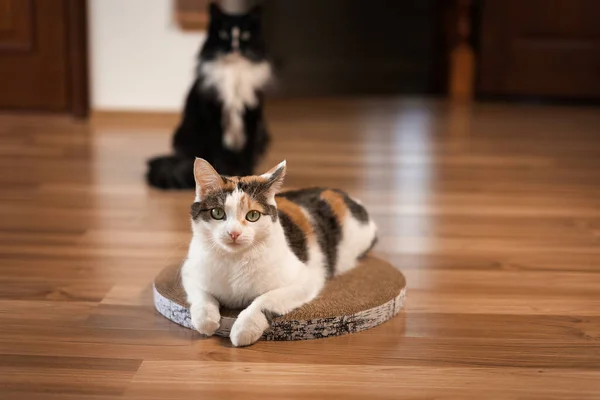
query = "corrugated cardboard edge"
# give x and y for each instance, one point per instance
(282, 329)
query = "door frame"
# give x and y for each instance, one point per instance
(77, 58)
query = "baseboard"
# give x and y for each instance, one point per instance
(167, 119)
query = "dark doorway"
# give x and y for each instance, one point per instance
(347, 47)
(43, 56)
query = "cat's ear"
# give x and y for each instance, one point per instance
(214, 10)
(275, 177)
(207, 179)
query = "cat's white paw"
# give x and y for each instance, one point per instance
(248, 328)
(234, 140)
(204, 320)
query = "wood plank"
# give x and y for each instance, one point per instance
(300, 381)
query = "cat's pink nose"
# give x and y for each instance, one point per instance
(234, 235)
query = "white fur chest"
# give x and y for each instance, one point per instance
(236, 79)
(236, 282)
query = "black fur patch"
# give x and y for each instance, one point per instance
(295, 237)
(255, 189)
(196, 210)
(171, 172)
(248, 187)
(326, 225)
(329, 233)
(357, 211)
(201, 210)
(301, 196)
(271, 211)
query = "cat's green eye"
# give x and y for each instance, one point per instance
(253, 216)
(217, 213)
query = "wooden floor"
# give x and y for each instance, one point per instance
(492, 213)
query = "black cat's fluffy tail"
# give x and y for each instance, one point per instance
(171, 172)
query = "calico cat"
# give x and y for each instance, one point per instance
(266, 251)
(223, 118)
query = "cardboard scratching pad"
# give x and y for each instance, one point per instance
(360, 299)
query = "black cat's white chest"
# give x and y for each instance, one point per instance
(236, 79)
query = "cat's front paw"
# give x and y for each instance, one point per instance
(205, 320)
(248, 328)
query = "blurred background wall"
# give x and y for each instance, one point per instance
(140, 59)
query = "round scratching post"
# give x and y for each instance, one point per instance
(360, 299)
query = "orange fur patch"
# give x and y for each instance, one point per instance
(294, 211)
(229, 185)
(250, 179)
(336, 202)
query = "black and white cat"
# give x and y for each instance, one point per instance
(223, 118)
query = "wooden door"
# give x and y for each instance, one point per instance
(540, 48)
(42, 55)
